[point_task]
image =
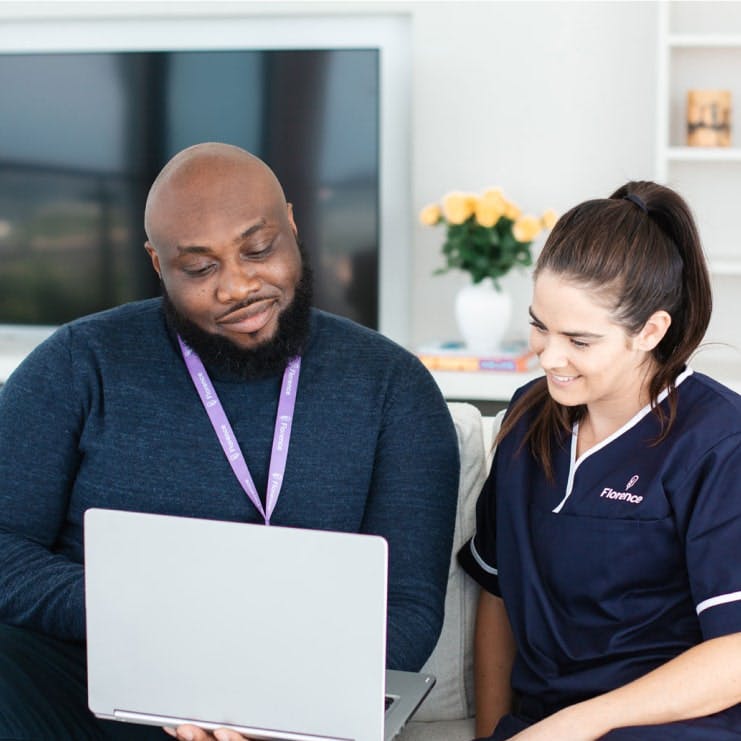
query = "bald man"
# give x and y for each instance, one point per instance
(106, 414)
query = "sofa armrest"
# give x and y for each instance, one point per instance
(452, 662)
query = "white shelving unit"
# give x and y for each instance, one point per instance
(699, 46)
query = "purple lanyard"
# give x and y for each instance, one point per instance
(223, 430)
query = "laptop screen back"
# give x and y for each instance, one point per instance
(267, 628)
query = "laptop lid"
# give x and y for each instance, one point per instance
(277, 632)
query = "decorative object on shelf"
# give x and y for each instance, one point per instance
(486, 236)
(482, 313)
(709, 118)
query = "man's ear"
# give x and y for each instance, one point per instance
(291, 221)
(653, 330)
(154, 257)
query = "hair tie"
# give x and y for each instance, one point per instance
(637, 200)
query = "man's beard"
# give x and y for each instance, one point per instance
(267, 359)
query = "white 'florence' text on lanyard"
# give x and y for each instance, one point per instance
(228, 440)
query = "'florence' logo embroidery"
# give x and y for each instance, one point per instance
(623, 496)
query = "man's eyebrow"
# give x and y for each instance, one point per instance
(261, 224)
(192, 249)
(586, 335)
(196, 249)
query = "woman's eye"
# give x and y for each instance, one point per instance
(579, 344)
(538, 327)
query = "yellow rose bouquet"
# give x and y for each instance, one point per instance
(487, 235)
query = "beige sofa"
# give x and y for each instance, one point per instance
(447, 713)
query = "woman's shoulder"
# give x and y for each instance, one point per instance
(526, 390)
(523, 409)
(704, 401)
(707, 422)
(531, 395)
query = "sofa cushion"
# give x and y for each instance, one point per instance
(452, 660)
(441, 730)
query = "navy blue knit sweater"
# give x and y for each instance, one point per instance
(104, 414)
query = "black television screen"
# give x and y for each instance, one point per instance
(84, 134)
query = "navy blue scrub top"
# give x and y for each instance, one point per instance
(631, 557)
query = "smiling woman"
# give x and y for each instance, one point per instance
(588, 358)
(607, 506)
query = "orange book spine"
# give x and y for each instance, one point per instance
(455, 362)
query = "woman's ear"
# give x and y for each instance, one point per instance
(653, 330)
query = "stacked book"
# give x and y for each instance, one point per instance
(454, 356)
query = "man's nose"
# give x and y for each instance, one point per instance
(237, 280)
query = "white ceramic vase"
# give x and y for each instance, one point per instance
(483, 315)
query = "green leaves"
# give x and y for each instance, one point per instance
(484, 252)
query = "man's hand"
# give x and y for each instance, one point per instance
(193, 733)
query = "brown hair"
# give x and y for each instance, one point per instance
(640, 247)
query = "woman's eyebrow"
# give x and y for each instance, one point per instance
(583, 334)
(533, 317)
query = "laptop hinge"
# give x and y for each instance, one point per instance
(261, 734)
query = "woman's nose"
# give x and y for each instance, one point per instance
(550, 351)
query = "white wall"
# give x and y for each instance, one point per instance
(554, 101)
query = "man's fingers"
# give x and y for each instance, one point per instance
(192, 733)
(222, 734)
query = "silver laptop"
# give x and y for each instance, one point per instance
(278, 633)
